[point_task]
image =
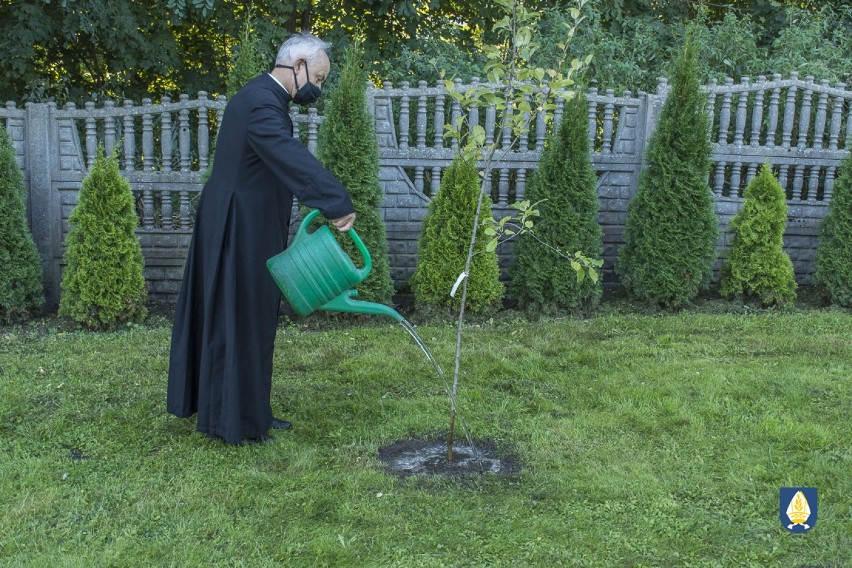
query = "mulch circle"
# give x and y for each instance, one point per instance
(405, 458)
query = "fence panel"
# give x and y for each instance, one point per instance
(803, 128)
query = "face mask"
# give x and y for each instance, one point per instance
(307, 93)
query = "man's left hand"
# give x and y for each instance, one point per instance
(343, 224)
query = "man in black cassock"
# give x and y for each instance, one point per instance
(227, 308)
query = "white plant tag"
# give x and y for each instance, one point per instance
(459, 280)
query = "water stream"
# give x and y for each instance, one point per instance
(471, 448)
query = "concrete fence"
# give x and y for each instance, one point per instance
(802, 128)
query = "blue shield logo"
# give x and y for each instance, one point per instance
(798, 508)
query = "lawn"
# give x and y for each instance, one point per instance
(645, 441)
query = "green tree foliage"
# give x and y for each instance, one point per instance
(347, 147)
(564, 187)
(76, 49)
(102, 284)
(671, 229)
(20, 278)
(834, 255)
(443, 246)
(757, 266)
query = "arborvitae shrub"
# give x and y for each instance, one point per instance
(565, 184)
(757, 266)
(671, 229)
(347, 147)
(20, 276)
(248, 60)
(833, 275)
(443, 246)
(102, 284)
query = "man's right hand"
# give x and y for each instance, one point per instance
(343, 224)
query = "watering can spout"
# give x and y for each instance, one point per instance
(346, 303)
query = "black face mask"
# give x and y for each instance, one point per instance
(307, 93)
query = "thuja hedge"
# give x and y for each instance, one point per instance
(833, 275)
(20, 277)
(347, 147)
(102, 284)
(671, 229)
(757, 266)
(564, 189)
(443, 247)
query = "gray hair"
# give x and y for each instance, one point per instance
(301, 45)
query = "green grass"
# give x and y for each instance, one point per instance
(646, 441)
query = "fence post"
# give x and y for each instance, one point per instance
(43, 217)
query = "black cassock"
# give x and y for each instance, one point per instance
(227, 309)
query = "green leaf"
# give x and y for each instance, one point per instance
(479, 135)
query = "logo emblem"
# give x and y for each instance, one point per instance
(798, 508)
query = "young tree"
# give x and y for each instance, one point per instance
(671, 229)
(103, 285)
(443, 247)
(20, 278)
(525, 90)
(564, 189)
(347, 147)
(833, 275)
(757, 265)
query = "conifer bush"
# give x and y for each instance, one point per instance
(248, 60)
(671, 229)
(564, 187)
(347, 147)
(757, 266)
(443, 246)
(833, 276)
(21, 290)
(103, 284)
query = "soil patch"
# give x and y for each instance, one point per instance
(429, 457)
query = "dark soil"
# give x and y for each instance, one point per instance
(429, 457)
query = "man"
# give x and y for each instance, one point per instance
(227, 308)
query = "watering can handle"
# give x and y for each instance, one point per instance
(368, 261)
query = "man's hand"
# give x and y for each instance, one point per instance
(343, 224)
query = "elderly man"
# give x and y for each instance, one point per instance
(227, 309)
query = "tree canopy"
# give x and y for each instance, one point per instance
(75, 50)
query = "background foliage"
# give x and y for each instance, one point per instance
(77, 49)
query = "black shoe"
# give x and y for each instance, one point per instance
(280, 424)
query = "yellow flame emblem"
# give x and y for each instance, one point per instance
(798, 510)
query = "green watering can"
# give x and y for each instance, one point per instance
(315, 274)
